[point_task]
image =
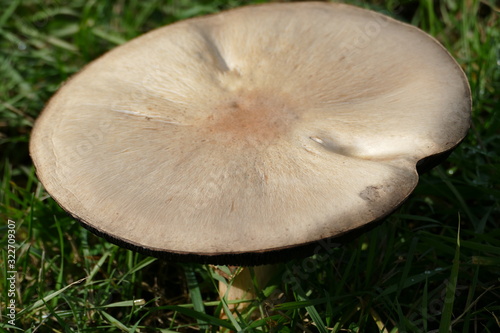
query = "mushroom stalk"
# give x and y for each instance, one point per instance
(245, 284)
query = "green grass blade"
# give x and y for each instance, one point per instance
(195, 293)
(112, 38)
(96, 268)
(229, 314)
(451, 286)
(146, 262)
(115, 322)
(8, 12)
(47, 298)
(128, 303)
(202, 317)
(311, 309)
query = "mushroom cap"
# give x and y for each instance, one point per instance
(228, 138)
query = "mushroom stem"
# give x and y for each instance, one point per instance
(245, 284)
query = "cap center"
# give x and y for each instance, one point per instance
(251, 118)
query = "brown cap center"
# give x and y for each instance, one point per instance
(252, 118)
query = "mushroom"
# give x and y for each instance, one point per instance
(243, 137)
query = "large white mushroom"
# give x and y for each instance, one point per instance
(233, 138)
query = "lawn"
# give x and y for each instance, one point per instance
(432, 265)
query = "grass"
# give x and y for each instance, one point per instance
(433, 265)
